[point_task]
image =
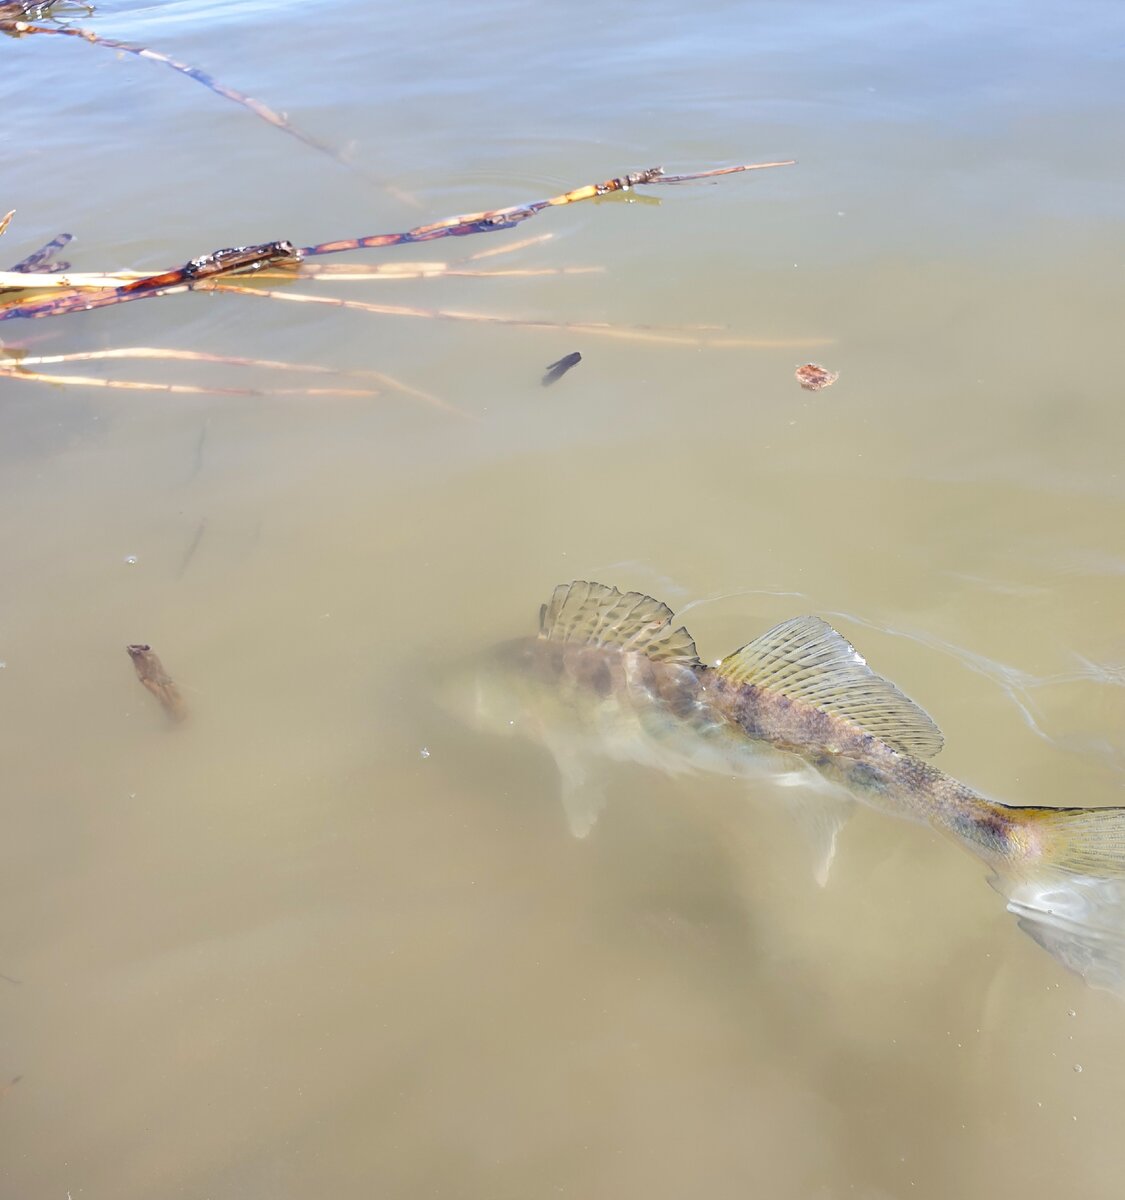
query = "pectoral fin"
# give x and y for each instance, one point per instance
(582, 788)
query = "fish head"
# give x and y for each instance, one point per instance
(498, 692)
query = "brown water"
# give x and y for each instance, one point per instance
(324, 940)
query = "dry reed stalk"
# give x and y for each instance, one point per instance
(156, 352)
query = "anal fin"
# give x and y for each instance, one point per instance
(582, 789)
(819, 817)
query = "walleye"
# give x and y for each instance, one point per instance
(609, 676)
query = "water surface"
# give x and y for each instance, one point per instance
(280, 951)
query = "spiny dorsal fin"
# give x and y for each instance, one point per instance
(807, 660)
(596, 615)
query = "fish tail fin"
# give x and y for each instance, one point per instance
(1078, 841)
(1067, 888)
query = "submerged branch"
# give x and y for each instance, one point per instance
(156, 352)
(680, 335)
(178, 389)
(13, 24)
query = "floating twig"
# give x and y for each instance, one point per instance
(9, 1085)
(322, 272)
(557, 370)
(229, 261)
(155, 352)
(157, 681)
(63, 280)
(180, 389)
(12, 23)
(41, 260)
(677, 335)
(507, 218)
(248, 258)
(510, 248)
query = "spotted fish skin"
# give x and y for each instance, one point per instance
(611, 677)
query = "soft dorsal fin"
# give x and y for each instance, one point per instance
(596, 615)
(807, 660)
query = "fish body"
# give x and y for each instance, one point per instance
(557, 369)
(609, 677)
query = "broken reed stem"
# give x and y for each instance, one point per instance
(671, 335)
(156, 352)
(249, 258)
(510, 248)
(39, 281)
(20, 28)
(179, 389)
(345, 272)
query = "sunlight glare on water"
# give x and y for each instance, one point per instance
(324, 938)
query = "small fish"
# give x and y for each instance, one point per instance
(610, 677)
(557, 370)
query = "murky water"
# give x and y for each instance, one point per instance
(323, 939)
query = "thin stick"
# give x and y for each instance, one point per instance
(511, 247)
(233, 259)
(18, 28)
(54, 280)
(354, 272)
(346, 272)
(242, 258)
(672, 335)
(154, 352)
(42, 257)
(508, 218)
(176, 389)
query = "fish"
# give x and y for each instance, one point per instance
(611, 676)
(558, 369)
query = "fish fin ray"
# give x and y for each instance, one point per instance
(594, 614)
(1080, 841)
(806, 660)
(1067, 890)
